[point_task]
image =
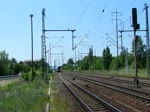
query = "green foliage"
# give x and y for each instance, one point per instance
(122, 58)
(107, 58)
(24, 96)
(29, 76)
(113, 64)
(85, 63)
(141, 52)
(79, 65)
(90, 58)
(70, 61)
(9, 66)
(130, 60)
(68, 67)
(12, 67)
(107, 62)
(97, 63)
(26, 76)
(39, 72)
(4, 61)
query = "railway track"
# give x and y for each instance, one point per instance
(89, 101)
(144, 97)
(109, 77)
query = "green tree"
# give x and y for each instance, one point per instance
(113, 63)
(122, 59)
(79, 63)
(141, 52)
(22, 66)
(17, 68)
(97, 63)
(70, 64)
(4, 63)
(70, 61)
(90, 58)
(85, 63)
(65, 67)
(11, 65)
(107, 58)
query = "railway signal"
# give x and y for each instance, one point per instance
(136, 26)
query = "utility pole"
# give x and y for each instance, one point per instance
(95, 61)
(49, 55)
(75, 46)
(75, 58)
(147, 41)
(117, 36)
(122, 25)
(121, 31)
(82, 64)
(46, 65)
(79, 60)
(32, 42)
(121, 41)
(136, 27)
(54, 65)
(127, 69)
(62, 54)
(43, 42)
(92, 59)
(78, 55)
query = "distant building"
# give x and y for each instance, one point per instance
(28, 62)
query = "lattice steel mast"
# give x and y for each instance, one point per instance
(43, 41)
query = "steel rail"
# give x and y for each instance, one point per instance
(106, 104)
(124, 81)
(125, 92)
(78, 98)
(125, 88)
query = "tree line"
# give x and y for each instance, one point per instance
(89, 62)
(107, 61)
(12, 67)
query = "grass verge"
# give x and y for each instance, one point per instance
(142, 73)
(24, 96)
(57, 103)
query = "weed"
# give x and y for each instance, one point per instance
(24, 96)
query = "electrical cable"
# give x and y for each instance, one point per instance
(57, 20)
(83, 12)
(99, 17)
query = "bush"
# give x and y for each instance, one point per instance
(25, 76)
(28, 76)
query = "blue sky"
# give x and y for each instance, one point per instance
(91, 19)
